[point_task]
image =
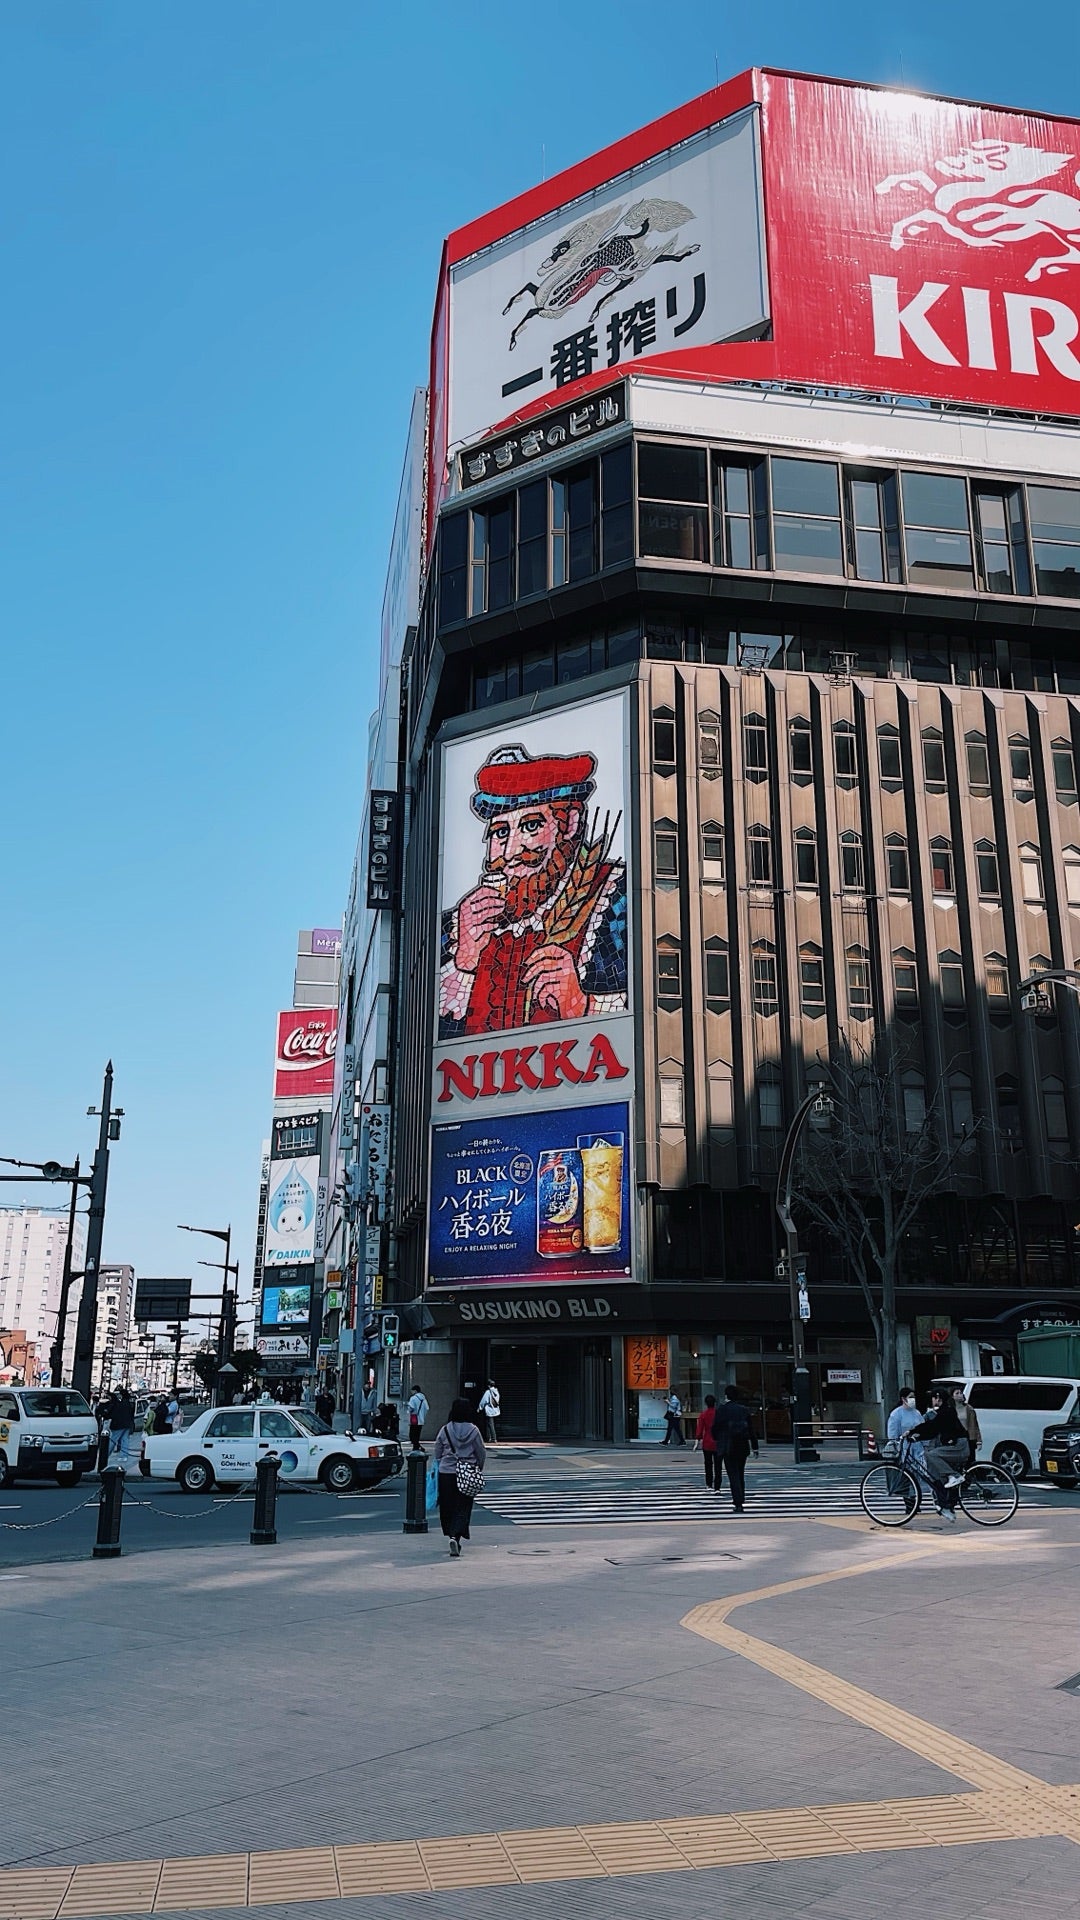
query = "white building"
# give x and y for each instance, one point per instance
(32, 1243)
(112, 1335)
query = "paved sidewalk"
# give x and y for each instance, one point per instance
(311, 1699)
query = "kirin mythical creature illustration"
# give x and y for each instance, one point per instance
(608, 251)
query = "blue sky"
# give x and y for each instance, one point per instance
(219, 233)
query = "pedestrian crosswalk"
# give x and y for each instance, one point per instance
(818, 1500)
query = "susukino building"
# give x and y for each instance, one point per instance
(738, 730)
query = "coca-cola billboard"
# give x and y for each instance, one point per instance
(306, 1039)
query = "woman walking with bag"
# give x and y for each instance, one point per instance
(460, 1454)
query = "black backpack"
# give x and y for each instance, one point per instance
(736, 1421)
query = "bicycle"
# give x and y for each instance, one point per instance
(891, 1493)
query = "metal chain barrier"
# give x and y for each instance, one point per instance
(191, 1513)
(33, 1526)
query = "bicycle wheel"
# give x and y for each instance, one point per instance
(890, 1495)
(989, 1496)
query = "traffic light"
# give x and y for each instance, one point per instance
(390, 1330)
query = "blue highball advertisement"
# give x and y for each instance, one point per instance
(537, 1197)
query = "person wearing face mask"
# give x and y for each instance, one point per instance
(904, 1416)
(946, 1450)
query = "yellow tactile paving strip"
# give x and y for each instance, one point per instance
(1008, 1804)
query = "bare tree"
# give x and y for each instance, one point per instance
(864, 1172)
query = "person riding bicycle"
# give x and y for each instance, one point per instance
(946, 1452)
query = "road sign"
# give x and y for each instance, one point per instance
(162, 1300)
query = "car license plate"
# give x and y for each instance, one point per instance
(1051, 1466)
(65, 1466)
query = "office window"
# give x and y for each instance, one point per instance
(806, 517)
(860, 999)
(740, 513)
(673, 502)
(770, 1105)
(997, 977)
(999, 522)
(913, 1103)
(1055, 1113)
(1064, 761)
(709, 754)
(941, 866)
(811, 981)
(717, 981)
(806, 861)
(755, 747)
(978, 764)
(852, 874)
(844, 754)
(668, 972)
(1072, 876)
(712, 850)
(1020, 766)
(616, 506)
(573, 525)
(663, 739)
(801, 749)
(933, 754)
(666, 850)
(453, 567)
(532, 538)
(890, 765)
(1031, 875)
(1054, 514)
(537, 668)
(896, 863)
(492, 568)
(904, 978)
(766, 999)
(986, 868)
(759, 856)
(874, 543)
(672, 1108)
(951, 975)
(1008, 1113)
(961, 1111)
(937, 535)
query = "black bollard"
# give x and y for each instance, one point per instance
(107, 1545)
(416, 1494)
(263, 1530)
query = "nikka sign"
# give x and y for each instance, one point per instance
(548, 1067)
(923, 246)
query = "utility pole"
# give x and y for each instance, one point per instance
(86, 1326)
(56, 1353)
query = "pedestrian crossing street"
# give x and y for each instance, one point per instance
(817, 1500)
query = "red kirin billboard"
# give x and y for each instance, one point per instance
(304, 1069)
(907, 245)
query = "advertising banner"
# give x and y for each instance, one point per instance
(579, 1061)
(286, 1306)
(538, 1197)
(668, 255)
(285, 1346)
(923, 246)
(291, 1213)
(533, 876)
(647, 1361)
(304, 1068)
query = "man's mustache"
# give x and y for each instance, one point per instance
(522, 862)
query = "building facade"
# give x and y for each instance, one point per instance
(739, 739)
(32, 1245)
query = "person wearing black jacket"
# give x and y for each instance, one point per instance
(946, 1450)
(733, 1432)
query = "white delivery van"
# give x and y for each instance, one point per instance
(46, 1433)
(1014, 1409)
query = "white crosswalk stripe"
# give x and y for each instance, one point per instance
(579, 1509)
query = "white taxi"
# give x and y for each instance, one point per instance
(222, 1446)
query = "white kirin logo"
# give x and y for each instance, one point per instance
(989, 197)
(306, 1047)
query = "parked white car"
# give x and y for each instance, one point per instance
(221, 1447)
(46, 1433)
(1014, 1411)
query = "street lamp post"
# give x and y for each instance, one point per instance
(1032, 989)
(816, 1101)
(86, 1325)
(226, 1267)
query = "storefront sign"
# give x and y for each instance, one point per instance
(843, 1376)
(542, 1197)
(384, 843)
(282, 1346)
(526, 1307)
(932, 1335)
(508, 451)
(646, 1361)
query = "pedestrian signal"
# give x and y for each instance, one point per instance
(390, 1331)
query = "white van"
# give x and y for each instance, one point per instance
(1013, 1411)
(46, 1433)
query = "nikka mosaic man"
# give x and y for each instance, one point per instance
(534, 921)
